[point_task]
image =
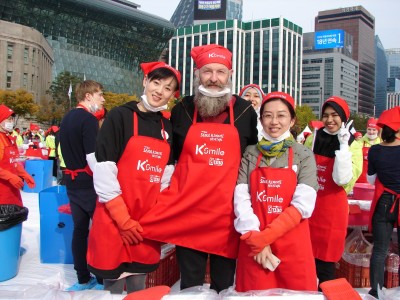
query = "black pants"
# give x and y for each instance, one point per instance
(83, 203)
(325, 271)
(383, 222)
(192, 265)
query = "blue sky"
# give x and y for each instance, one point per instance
(303, 13)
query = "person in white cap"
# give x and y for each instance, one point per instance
(12, 173)
(211, 130)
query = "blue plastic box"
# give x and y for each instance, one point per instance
(42, 172)
(55, 227)
(10, 242)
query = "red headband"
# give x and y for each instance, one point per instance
(5, 112)
(213, 53)
(279, 95)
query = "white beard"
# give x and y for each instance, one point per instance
(211, 106)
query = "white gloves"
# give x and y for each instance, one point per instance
(344, 135)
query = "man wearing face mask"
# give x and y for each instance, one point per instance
(12, 173)
(369, 139)
(78, 132)
(211, 130)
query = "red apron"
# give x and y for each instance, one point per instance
(8, 193)
(363, 176)
(328, 223)
(197, 209)
(272, 191)
(139, 173)
(379, 189)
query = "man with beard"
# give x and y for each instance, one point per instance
(211, 130)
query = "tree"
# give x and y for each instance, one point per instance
(59, 90)
(113, 99)
(360, 121)
(50, 113)
(20, 101)
(304, 115)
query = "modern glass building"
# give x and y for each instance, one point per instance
(393, 64)
(265, 52)
(103, 40)
(358, 22)
(381, 76)
(184, 14)
(328, 72)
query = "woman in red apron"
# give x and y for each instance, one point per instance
(369, 139)
(274, 196)
(12, 173)
(383, 171)
(339, 164)
(133, 151)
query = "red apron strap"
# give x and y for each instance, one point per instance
(74, 173)
(395, 200)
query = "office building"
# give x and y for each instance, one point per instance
(26, 60)
(191, 12)
(393, 62)
(328, 70)
(358, 22)
(103, 40)
(265, 52)
(381, 77)
(393, 99)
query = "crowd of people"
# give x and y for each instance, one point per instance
(223, 178)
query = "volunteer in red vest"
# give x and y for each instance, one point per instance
(133, 162)
(254, 94)
(78, 132)
(12, 173)
(383, 171)
(274, 197)
(369, 139)
(339, 164)
(211, 130)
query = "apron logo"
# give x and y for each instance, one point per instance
(214, 137)
(262, 197)
(144, 166)
(274, 209)
(203, 149)
(155, 178)
(271, 183)
(153, 153)
(216, 162)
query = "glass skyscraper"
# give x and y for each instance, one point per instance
(103, 40)
(184, 13)
(381, 77)
(358, 22)
(265, 52)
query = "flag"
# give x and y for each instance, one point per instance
(70, 91)
(84, 77)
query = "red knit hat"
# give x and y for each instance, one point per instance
(5, 112)
(390, 118)
(337, 102)
(372, 123)
(278, 95)
(357, 134)
(213, 53)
